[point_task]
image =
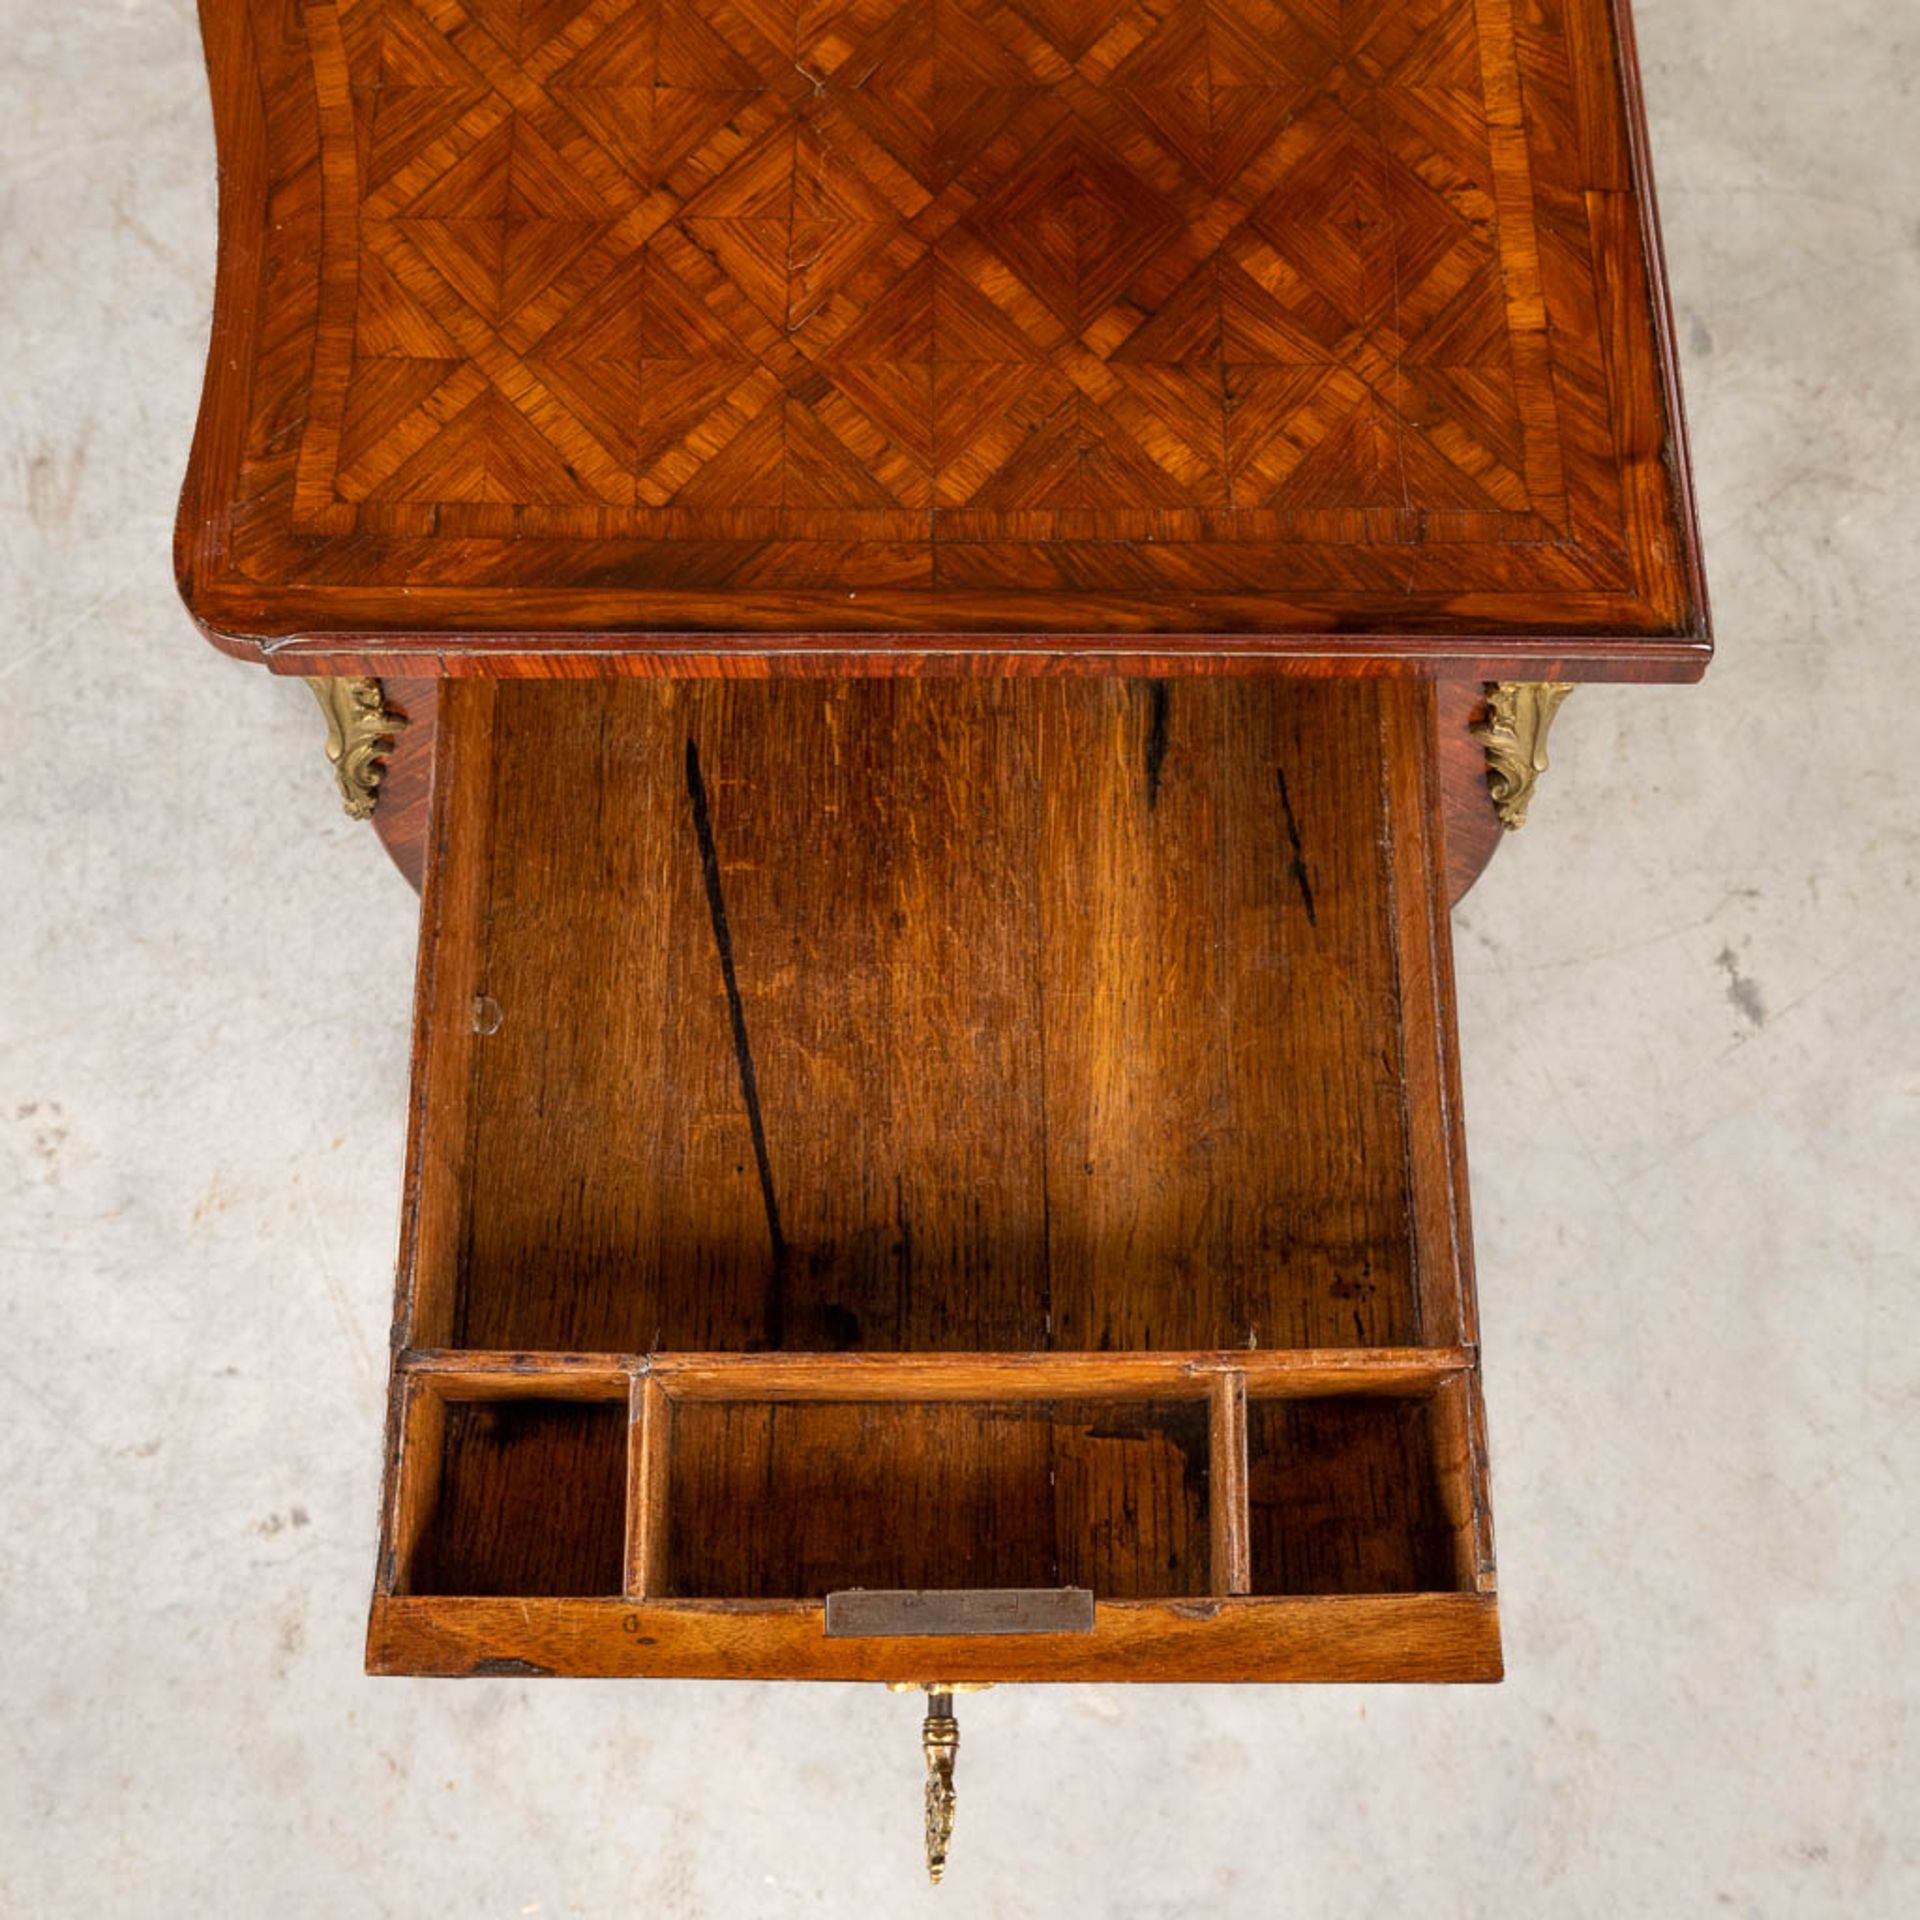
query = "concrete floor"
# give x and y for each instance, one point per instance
(1693, 1077)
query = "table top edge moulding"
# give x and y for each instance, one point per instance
(566, 349)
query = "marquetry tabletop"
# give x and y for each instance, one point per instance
(1290, 327)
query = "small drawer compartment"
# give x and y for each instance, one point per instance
(796, 1500)
(516, 1496)
(1345, 1496)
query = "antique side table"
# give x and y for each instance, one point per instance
(942, 594)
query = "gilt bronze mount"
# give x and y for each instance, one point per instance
(1519, 716)
(360, 734)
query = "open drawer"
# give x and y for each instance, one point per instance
(955, 1139)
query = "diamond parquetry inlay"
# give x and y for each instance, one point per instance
(916, 271)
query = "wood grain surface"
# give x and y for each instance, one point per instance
(1000, 1016)
(1272, 1372)
(1472, 830)
(1188, 329)
(1344, 1498)
(531, 1498)
(1424, 1637)
(796, 1500)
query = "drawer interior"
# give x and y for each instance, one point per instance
(798, 1499)
(528, 1496)
(1348, 1496)
(933, 1134)
(966, 1015)
(697, 1485)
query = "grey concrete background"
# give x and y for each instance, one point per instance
(1693, 1071)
